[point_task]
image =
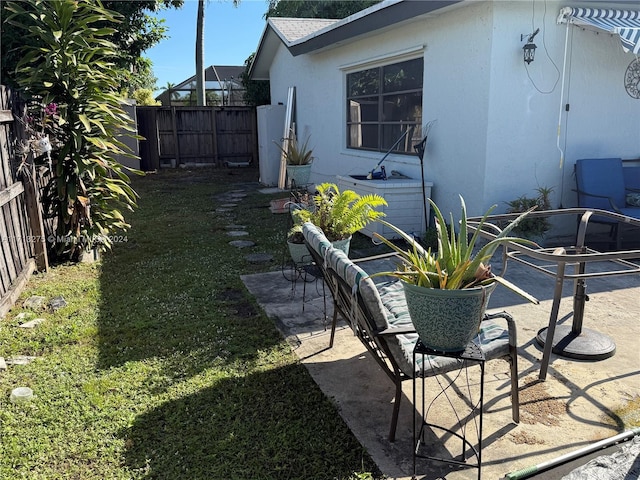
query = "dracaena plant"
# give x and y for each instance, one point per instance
(70, 63)
(457, 264)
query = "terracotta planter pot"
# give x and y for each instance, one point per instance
(447, 320)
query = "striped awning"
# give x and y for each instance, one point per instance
(624, 23)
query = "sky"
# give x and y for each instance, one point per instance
(231, 35)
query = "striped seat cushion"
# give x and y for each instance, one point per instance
(316, 238)
(388, 309)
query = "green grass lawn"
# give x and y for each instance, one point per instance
(162, 365)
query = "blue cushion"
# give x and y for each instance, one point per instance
(600, 176)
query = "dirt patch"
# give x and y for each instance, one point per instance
(230, 295)
(524, 438)
(236, 300)
(245, 310)
(538, 406)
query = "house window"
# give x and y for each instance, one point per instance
(382, 104)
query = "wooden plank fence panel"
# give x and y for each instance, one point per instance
(200, 135)
(16, 232)
(148, 129)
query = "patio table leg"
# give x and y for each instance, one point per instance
(545, 336)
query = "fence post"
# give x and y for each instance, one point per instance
(214, 136)
(174, 126)
(32, 202)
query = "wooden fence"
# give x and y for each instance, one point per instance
(22, 241)
(196, 136)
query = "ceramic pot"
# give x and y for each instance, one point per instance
(301, 256)
(298, 175)
(299, 253)
(447, 320)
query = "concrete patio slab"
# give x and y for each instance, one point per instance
(580, 402)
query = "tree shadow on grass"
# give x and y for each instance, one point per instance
(270, 424)
(185, 330)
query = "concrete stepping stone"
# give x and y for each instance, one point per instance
(259, 258)
(34, 302)
(229, 205)
(238, 233)
(20, 360)
(242, 243)
(32, 323)
(223, 210)
(3, 364)
(56, 303)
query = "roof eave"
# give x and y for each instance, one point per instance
(267, 46)
(376, 18)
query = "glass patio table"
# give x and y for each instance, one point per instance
(573, 341)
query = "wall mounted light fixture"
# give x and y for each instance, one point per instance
(529, 48)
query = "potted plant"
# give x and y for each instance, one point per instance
(447, 291)
(298, 157)
(532, 228)
(339, 214)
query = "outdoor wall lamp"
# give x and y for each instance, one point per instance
(530, 47)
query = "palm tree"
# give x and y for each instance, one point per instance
(173, 94)
(200, 80)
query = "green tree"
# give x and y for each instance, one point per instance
(144, 96)
(73, 68)
(175, 95)
(256, 91)
(317, 8)
(136, 32)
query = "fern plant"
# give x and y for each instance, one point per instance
(340, 214)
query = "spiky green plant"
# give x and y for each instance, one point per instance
(454, 266)
(295, 153)
(340, 214)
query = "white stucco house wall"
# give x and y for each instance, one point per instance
(502, 127)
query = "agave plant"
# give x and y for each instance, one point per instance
(455, 265)
(340, 214)
(295, 153)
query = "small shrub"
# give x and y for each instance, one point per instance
(532, 227)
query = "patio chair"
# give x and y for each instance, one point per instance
(601, 185)
(379, 318)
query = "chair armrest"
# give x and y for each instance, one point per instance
(375, 257)
(396, 331)
(611, 202)
(511, 325)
